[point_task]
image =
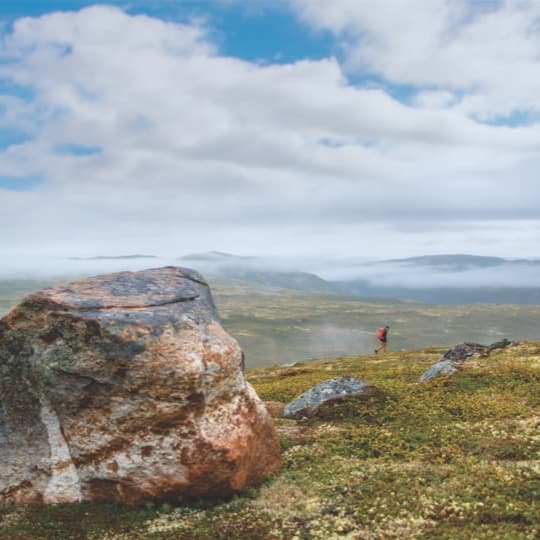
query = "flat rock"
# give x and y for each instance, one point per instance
(126, 387)
(325, 392)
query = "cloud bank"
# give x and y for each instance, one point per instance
(141, 137)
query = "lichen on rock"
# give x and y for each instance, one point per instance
(126, 387)
(326, 392)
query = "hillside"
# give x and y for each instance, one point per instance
(444, 295)
(454, 458)
(282, 325)
(13, 290)
(231, 269)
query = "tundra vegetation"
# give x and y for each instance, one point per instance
(456, 457)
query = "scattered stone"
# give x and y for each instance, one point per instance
(326, 392)
(126, 387)
(503, 344)
(454, 357)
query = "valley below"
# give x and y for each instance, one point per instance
(282, 325)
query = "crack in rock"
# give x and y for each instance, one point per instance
(126, 308)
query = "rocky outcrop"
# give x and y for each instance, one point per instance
(126, 387)
(451, 360)
(326, 392)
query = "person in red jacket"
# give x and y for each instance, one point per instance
(382, 336)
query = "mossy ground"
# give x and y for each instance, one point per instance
(453, 458)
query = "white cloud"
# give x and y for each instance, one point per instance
(200, 151)
(488, 49)
(435, 99)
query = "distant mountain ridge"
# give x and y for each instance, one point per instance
(451, 260)
(225, 266)
(112, 257)
(460, 261)
(216, 256)
(435, 279)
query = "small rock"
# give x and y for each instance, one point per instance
(325, 392)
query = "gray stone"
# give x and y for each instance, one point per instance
(325, 392)
(443, 367)
(503, 344)
(452, 358)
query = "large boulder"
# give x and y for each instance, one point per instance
(126, 387)
(330, 391)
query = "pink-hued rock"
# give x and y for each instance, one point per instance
(126, 387)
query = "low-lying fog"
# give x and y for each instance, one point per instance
(424, 272)
(415, 275)
(29, 267)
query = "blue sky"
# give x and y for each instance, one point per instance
(282, 127)
(268, 33)
(248, 33)
(15, 183)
